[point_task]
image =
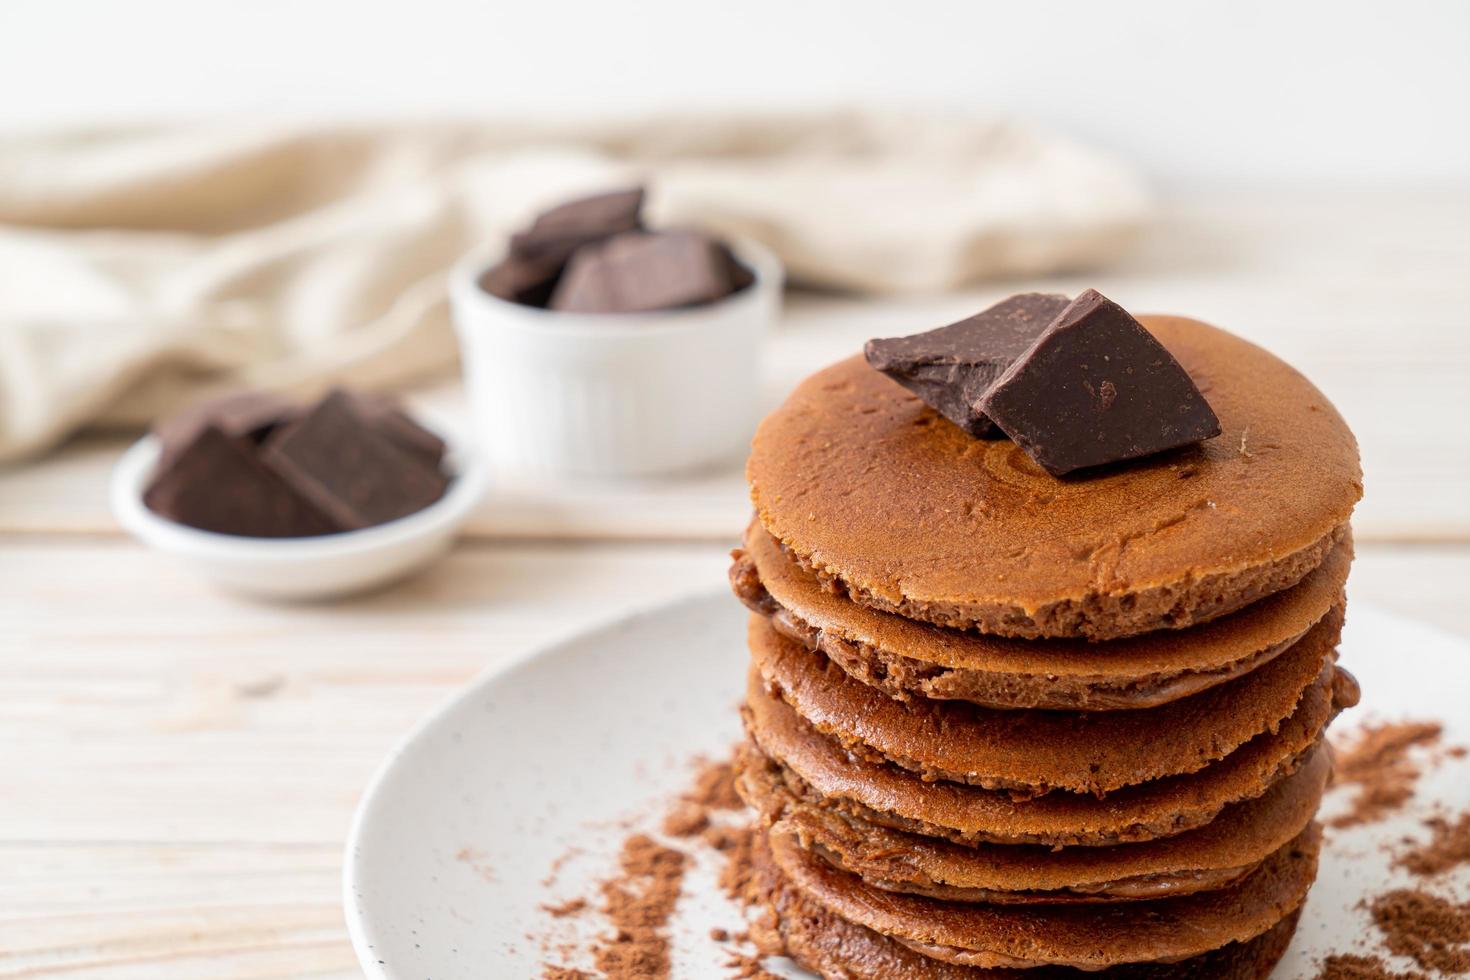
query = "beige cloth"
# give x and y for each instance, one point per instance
(139, 269)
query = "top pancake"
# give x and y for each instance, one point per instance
(879, 494)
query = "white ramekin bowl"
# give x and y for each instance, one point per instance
(619, 394)
(323, 567)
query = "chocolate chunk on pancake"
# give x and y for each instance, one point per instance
(908, 659)
(880, 496)
(952, 367)
(1097, 388)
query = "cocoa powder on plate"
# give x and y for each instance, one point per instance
(1346, 966)
(639, 900)
(713, 789)
(1377, 762)
(1447, 848)
(638, 903)
(1432, 930)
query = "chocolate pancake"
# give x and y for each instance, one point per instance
(908, 659)
(792, 925)
(879, 495)
(1036, 752)
(1214, 856)
(820, 771)
(1087, 937)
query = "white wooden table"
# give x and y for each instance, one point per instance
(179, 767)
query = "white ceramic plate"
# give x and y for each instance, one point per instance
(570, 747)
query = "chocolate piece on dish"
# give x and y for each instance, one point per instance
(643, 271)
(333, 458)
(216, 483)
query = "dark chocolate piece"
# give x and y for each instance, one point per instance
(740, 276)
(537, 256)
(243, 414)
(951, 367)
(557, 233)
(348, 470)
(393, 424)
(1095, 388)
(529, 282)
(216, 483)
(641, 271)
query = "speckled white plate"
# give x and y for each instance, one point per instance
(452, 851)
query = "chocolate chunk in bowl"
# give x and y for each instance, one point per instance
(555, 234)
(644, 271)
(345, 468)
(216, 482)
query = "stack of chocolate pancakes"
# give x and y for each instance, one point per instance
(1004, 724)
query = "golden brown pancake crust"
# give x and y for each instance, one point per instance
(1213, 856)
(818, 769)
(1082, 936)
(909, 660)
(791, 925)
(1035, 752)
(877, 493)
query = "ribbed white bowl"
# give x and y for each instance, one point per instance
(622, 394)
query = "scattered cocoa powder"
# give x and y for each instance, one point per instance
(1377, 762)
(685, 820)
(478, 861)
(1349, 967)
(713, 789)
(1448, 848)
(736, 844)
(560, 910)
(638, 902)
(1433, 931)
(560, 862)
(714, 786)
(746, 967)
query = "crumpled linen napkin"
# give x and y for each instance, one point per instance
(142, 268)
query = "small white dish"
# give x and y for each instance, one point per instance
(321, 567)
(448, 855)
(615, 394)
